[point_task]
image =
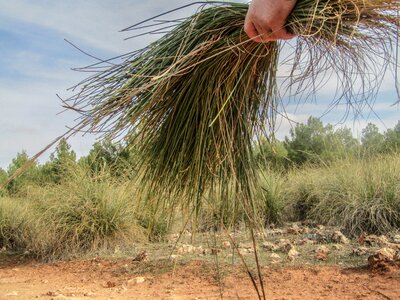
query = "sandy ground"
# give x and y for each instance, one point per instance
(126, 279)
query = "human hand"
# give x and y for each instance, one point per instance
(265, 20)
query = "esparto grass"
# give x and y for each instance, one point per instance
(194, 101)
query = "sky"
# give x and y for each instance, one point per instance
(36, 63)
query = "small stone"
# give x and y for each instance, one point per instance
(360, 251)
(12, 294)
(339, 237)
(226, 245)
(110, 284)
(396, 239)
(295, 230)
(269, 246)
(321, 256)
(175, 256)
(141, 256)
(275, 257)
(285, 245)
(305, 241)
(322, 249)
(186, 249)
(337, 247)
(89, 294)
(293, 253)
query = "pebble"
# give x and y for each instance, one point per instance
(293, 253)
(269, 246)
(12, 294)
(339, 237)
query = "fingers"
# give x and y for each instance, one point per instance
(265, 20)
(252, 32)
(263, 35)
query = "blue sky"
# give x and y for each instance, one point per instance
(36, 62)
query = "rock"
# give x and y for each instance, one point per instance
(386, 253)
(292, 254)
(285, 245)
(275, 257)
(322, 249)
(339, 237)
(317, 236)
(360, 251)
(381, 258)
(337, 247)
(373, 240)
(173, 237)
(89, 294)
(321, 256)
(269, 246)
(190, 249)
(276, 231)
(175, 256)
(110, 284)
(322, 253)
(142, 256)
(305, 241)
(396, 239)
(397, 256)
(295, 230)
(12, 294)
(226, 245)
(136, 280)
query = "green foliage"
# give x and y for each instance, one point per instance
(120, 160)
(313, 142)
(58, 167)
(392, 139)
(271, 153)
(20, 185)
(372, 140)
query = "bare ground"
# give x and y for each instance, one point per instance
(196, 279)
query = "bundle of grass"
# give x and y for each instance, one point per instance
(194, 101)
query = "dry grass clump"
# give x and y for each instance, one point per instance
(194, 101)
(355, 195)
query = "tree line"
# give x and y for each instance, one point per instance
(309, 143)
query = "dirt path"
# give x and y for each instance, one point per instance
(124, 279)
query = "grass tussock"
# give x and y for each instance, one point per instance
(194, 101)
(82, 215)
(355, 195)
(14, 224)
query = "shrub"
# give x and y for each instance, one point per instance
(358, 195)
